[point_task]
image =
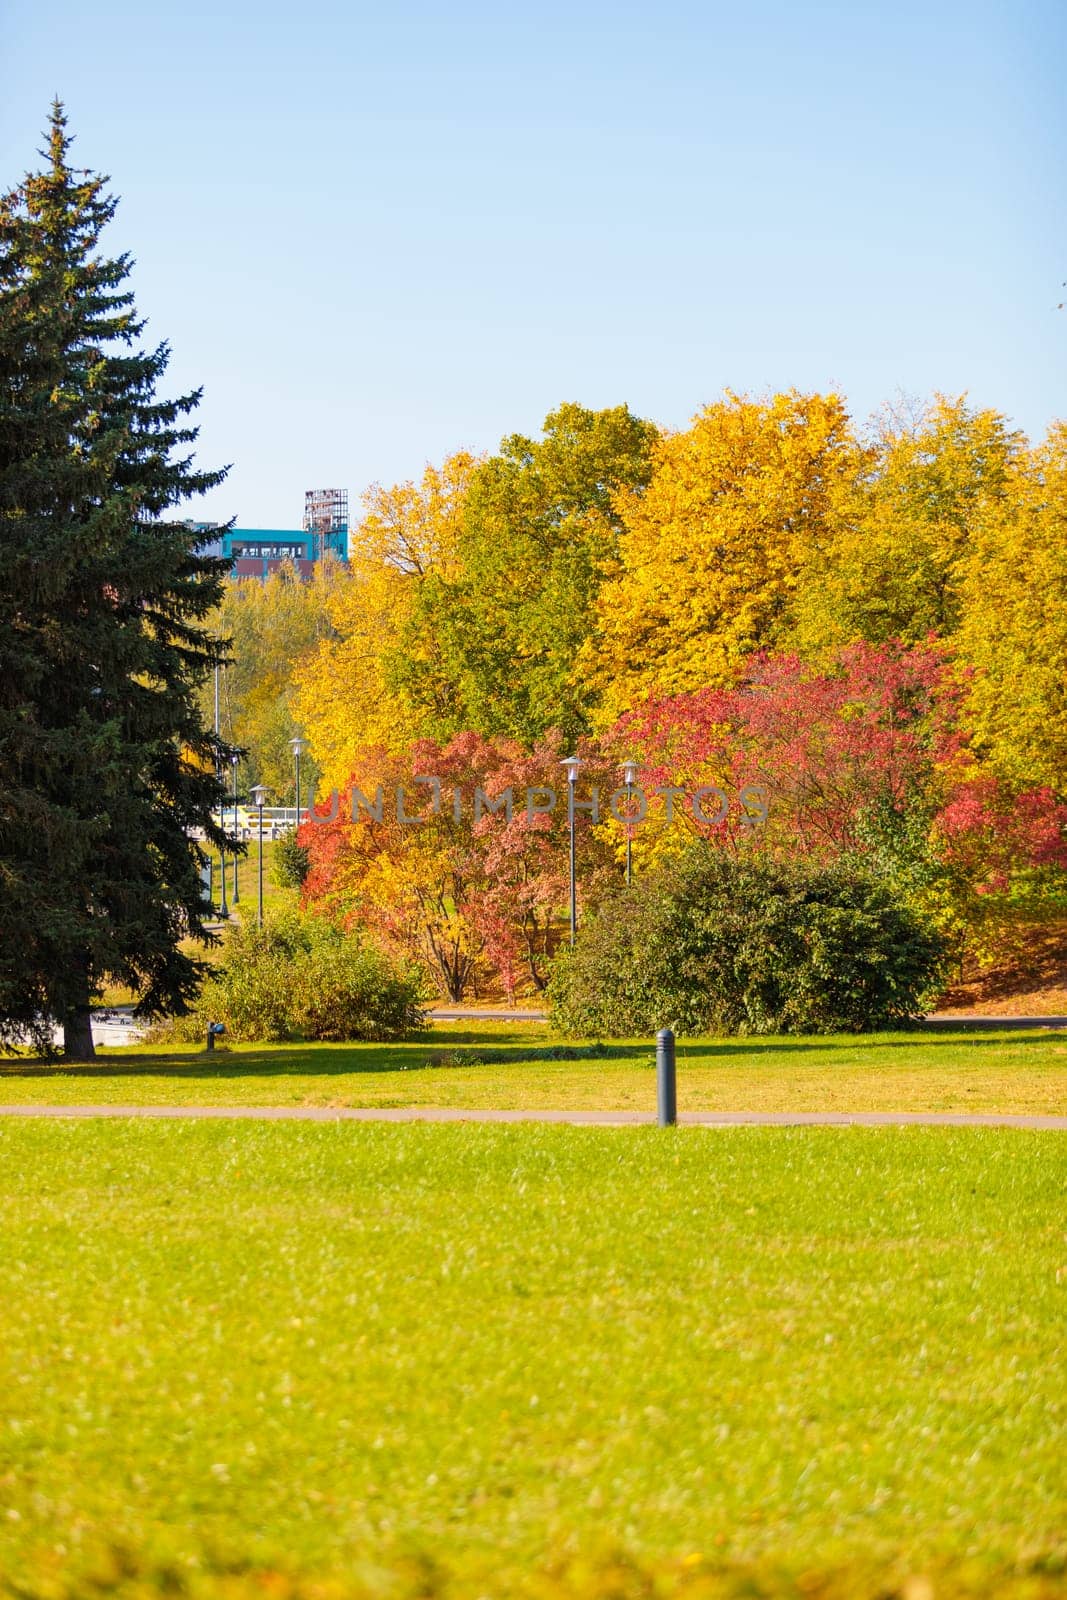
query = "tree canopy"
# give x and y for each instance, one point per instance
(869, 626)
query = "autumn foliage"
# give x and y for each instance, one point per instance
(444, 877)
(865, 627)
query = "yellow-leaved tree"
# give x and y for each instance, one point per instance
(271, 627)
(1013, 627)
(894, 569)
(712, 548)
(347, 697)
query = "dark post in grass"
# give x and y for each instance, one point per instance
(666, 1088)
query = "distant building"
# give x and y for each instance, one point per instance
(257, 552)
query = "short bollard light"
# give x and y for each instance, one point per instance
(666, 1085)
(215, 1030)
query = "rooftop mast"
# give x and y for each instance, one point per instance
(326, 520)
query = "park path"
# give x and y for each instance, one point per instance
(578, 1119)
(936, 1019)
(115, 1026)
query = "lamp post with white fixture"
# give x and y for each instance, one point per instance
(572, 765)
(629, 773)
(297, 746)
(235, 898)
(223, 908)
(259, 794)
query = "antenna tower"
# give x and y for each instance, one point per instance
(326, 520)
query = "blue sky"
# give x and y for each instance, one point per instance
(378, 235)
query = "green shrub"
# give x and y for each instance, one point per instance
(298, 976)
(291, 862)
(727, 944)
(250, 991)
(347, 990)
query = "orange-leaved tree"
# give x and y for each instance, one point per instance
(450, 853)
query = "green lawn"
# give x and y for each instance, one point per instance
(926, 1070)
(307, 1347)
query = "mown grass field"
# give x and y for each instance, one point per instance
(410, 1361)
(926, 1070)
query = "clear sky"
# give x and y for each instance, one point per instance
(378, 234)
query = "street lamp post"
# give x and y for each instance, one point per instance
(629, 773)
(235, 898)
(258, 796)
(572, 764)
(224, 910)
(297, 746)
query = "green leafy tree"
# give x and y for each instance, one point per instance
(539, 533)
(104, 762)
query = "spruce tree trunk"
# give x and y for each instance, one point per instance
(77, 1027)
(78, 1035)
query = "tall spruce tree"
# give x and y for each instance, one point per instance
(105, 765)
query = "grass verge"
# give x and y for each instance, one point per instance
(502, 1066)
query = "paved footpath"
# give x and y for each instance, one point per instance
(578, 1119)
(936, 1019)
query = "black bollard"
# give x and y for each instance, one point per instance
(666, 1086)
